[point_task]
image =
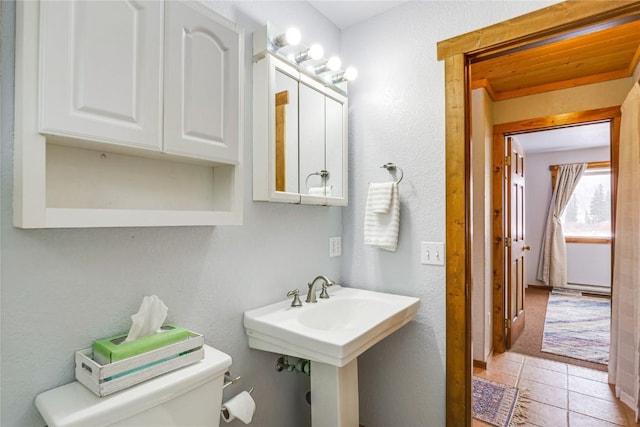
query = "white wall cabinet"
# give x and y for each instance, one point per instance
(299, 152)
(107, 66)
(145, 97)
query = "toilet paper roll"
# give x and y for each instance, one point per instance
(241, 406)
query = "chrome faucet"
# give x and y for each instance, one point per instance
(311, 295)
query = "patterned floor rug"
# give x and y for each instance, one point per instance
(496, 404)
(578, 327)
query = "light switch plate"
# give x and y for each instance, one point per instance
(432, 253)
(335, 246)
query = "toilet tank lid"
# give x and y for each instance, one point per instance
(75, 405)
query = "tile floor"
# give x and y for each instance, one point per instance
(561, 395)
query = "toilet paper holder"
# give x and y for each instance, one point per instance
(229, 380)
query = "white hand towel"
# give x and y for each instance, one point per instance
(320, 191)
(379, 197)
(381, 229)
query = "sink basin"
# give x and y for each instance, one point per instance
(333, 331)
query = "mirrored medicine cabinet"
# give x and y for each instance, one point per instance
(299, 135)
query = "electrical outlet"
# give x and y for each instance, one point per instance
(335, 246)
(432, 253)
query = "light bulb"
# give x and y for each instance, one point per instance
(350, 74)
(293, 36)
(315, 51)
(334, 63)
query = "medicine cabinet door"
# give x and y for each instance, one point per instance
(313, 174)
(286, 135)
(336, 149)
(323, 145)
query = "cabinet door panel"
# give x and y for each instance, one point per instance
(334, 145)
(311, 139)
(202, 85)
(100, 65)
(286, 126)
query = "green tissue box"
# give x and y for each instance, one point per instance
(112, 349)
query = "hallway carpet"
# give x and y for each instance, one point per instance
(530, 342)
(577, 326)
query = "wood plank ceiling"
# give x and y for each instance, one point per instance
(608, 54)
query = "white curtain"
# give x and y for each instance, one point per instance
(624, 356)
(552, 264)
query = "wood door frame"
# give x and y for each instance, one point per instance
(500, 132)
(456, 52)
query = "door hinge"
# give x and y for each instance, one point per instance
(507, 160)
(507, 323)
(507, 242)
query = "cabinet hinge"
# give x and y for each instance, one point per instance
(507, 323)
(507, 160)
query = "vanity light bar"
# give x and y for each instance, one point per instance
(328, 70)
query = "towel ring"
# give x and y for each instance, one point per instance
(323, 174)
(391, 167)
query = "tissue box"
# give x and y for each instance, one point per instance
(113, 349)
(104, 380)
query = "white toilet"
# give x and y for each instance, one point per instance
(190, 396)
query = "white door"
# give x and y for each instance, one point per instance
(100, 68)
(202, 80)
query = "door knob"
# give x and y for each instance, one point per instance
(526, 248)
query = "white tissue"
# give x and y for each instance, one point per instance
(242, 406)
(148, 319)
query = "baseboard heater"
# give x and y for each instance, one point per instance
(590, 290)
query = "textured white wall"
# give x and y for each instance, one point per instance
(63, 288)
(589, 264)
(583, 260)
(397, 115)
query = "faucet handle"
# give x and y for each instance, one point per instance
(296, 298)
(323, 293)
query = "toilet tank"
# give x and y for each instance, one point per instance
(190, 396)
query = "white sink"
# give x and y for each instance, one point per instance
(334, 331)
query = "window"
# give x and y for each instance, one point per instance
(587, 217)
